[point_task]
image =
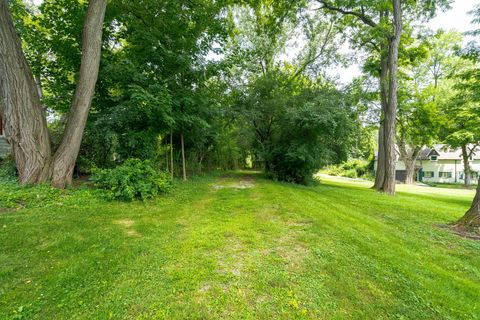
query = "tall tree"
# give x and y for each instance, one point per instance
(66, 155)
(471, 220)
(25, 122)
(384, 19)
(461, 115)
(426, 65)
(390, 114)
(378, 26)
(24, 115)
(455, 95)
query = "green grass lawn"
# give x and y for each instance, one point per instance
(240, 247)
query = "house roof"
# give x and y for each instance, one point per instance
(443, 152)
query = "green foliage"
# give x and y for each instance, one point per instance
(15, 197)
(134, 179)
(353, 168)
(424, 86)
(130, 130)
(298, 126)
(460, 109)
(8, 170)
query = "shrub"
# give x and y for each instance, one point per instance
(134, 179)
(354, 168)
(350, 173)
(8, 170)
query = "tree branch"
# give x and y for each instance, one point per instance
(315, 57)
(360, 15)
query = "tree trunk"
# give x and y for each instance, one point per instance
(171, 154)
(471, 219)
(409, 170)
(391, 111)
(38, 82)
(167, 167)
(25, 123)
(467, 171)
(66, 155)
(380, 173)
(184, 167)
(408, 155)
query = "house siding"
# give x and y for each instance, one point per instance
(450, 166)
(455, 167)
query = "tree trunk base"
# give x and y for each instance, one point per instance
(470, 222)
(466, 232)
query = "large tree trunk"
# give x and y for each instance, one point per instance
(380, 172)
(171, 154)
(184, 166)
(408, 155)
(466, 166)
(25, 123)
(391, 111)
(66, 155)
(471, 220)
(409, 171)
(409, 159)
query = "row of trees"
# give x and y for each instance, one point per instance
(207, 89)
(221, 84)
(26, 125)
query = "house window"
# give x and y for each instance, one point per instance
(445, 175)
(474, 175)
(433, 158)
(428, 174)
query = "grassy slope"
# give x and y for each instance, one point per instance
(337, 250)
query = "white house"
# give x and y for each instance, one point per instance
(440, 165)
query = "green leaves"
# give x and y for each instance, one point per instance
(299, 126)
(135, 179)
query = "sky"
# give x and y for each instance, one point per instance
(457, 18)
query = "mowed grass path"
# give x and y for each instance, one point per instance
(219, 248)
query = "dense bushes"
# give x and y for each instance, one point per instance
(298, 126)
(8, 171)
(354, 168)
(135, 179)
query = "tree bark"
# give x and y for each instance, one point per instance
(391, 111)
(171, 154)
(409, 171)
(471, 219)
(409, 155)
(380, 172)
(167, 167)
(184, 166)
(467, 171)
(409, 159)
(66, 155)
(20, 106)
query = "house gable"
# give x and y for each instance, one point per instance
(433, 152)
